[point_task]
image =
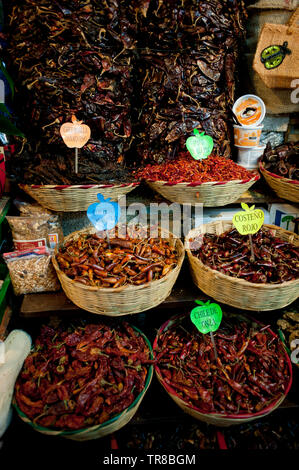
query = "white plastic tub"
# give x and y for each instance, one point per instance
(248, 157)
(247, 137)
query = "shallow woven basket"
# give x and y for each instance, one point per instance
(76, 197)
(100, 430)
(283, 187)
(238, 292)
(217, 419)
(208, 194)
(122, 300)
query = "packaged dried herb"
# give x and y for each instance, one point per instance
(31, 271)
(35, 232)
(30, 209)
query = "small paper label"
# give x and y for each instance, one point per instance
(53, 240)
(22, 245)
(207, 317)
(249, 221)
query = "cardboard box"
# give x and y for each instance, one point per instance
(285, 215)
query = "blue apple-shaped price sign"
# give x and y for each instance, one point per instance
(105, 214)
(199, 145)
(207, 319)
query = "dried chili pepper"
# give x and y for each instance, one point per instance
(276, 261)
(88, 386)
(186, 169)
(117, 265)
(237, 382)
(283, 160)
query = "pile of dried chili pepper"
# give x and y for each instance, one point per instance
(185, 169)
(131, 261)
(250, 373)
(276, 260)
(283, 160)
(82, 375)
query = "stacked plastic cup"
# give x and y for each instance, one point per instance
(249, 111)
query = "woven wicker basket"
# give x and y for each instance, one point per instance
(123, 300)
(283, 187)
(238, 292)
(74, 198)
(101, 430)
(217, 419)
(208, 194)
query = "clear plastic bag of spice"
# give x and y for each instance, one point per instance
(32, 271)
(30, 209)
(35, 232)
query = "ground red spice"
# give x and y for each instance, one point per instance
(187, 170)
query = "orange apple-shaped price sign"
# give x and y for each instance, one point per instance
(249, 221)
(75, 134)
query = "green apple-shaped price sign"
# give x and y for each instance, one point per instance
(207, 317)
(199, 145)
(250, 221)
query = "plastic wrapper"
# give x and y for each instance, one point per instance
(35, 232)
(32, 271)
(30, 209)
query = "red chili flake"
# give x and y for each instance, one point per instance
(185, 169)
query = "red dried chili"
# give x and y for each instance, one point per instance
(250, 373)
(187, 170)
(82, 375)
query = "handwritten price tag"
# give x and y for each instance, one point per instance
(249, 221)
(75, 134)
(207, 317)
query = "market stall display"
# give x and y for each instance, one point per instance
(214, 181)
(279, 167)
(133, 274)
(250, 377)
(84, 381)
(221, 265)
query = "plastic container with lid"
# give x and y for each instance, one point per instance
(249, 110)
(247, 136)
(248, 157)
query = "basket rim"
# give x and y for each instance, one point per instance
(174, 319)
(282, 179)
(96, 427)
(236, 280)
(78, 186)
(256, 177)
(126, 288)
